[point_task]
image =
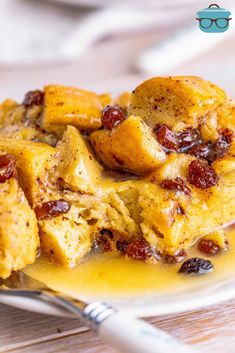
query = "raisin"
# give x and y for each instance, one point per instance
(139, 250)
(208, 247)
(107, 232)
(177, 184)
(7, 167)
(122, 246)
(188, 138)
(33, 98)
(166, 138)
(103, 240)
(177, 257)
(196, 266)
(227, 135)
(202, 151)
(111, 116)
(201, 175)
(51, 209)
(220, 148)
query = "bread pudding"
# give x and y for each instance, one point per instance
(146, 174)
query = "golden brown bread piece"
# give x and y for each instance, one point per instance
(131, 146)
(179, 102)
(70, 106)
(19, 238)
(32, 161)
(80, 172)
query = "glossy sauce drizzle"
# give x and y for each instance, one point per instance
(102, 276)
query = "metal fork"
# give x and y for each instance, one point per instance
(126, 333)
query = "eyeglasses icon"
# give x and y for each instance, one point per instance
(208, 22)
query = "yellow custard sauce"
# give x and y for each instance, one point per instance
(104, 275)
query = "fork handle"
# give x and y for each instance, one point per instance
(129, 334)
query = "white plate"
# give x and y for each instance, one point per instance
(147, 305)
(195, 297)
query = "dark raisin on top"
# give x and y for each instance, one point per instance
(7, 167)
(196, 266)
(179, 142)
(208, 247)
(177, 184)
(111, 116)
(166, 138)
(201, 175)
(213, 150)
(103, 242)
(122, 246)
(51, 209)
(188, 138)
(190, 141)
(107, 232)
(139, 249)
(33, 98)
(202, 150)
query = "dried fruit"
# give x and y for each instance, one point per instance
(196, 266)
(7, 167)
(201, 175)
(51, 209)
(33, 98)
(111, 116)
(220, 148)
(188, 138)
(208, 247)
(202, 150)
(166, 138)
(178, 257)
(139, 250)
(177, 184)
(122, 246)
(227, 135)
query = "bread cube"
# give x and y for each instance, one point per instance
(226, 115)
(70, 106)
(226, 164)
(179, 102)
(19, 238)
(32, 160)
(175, 166)
(11, 113)
(105, 99)
(65, 238)
(123, 100)
(76, 166)
(130, 146)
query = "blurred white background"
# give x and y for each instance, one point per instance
(107, 44)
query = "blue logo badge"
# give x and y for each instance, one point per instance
(213, 19)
